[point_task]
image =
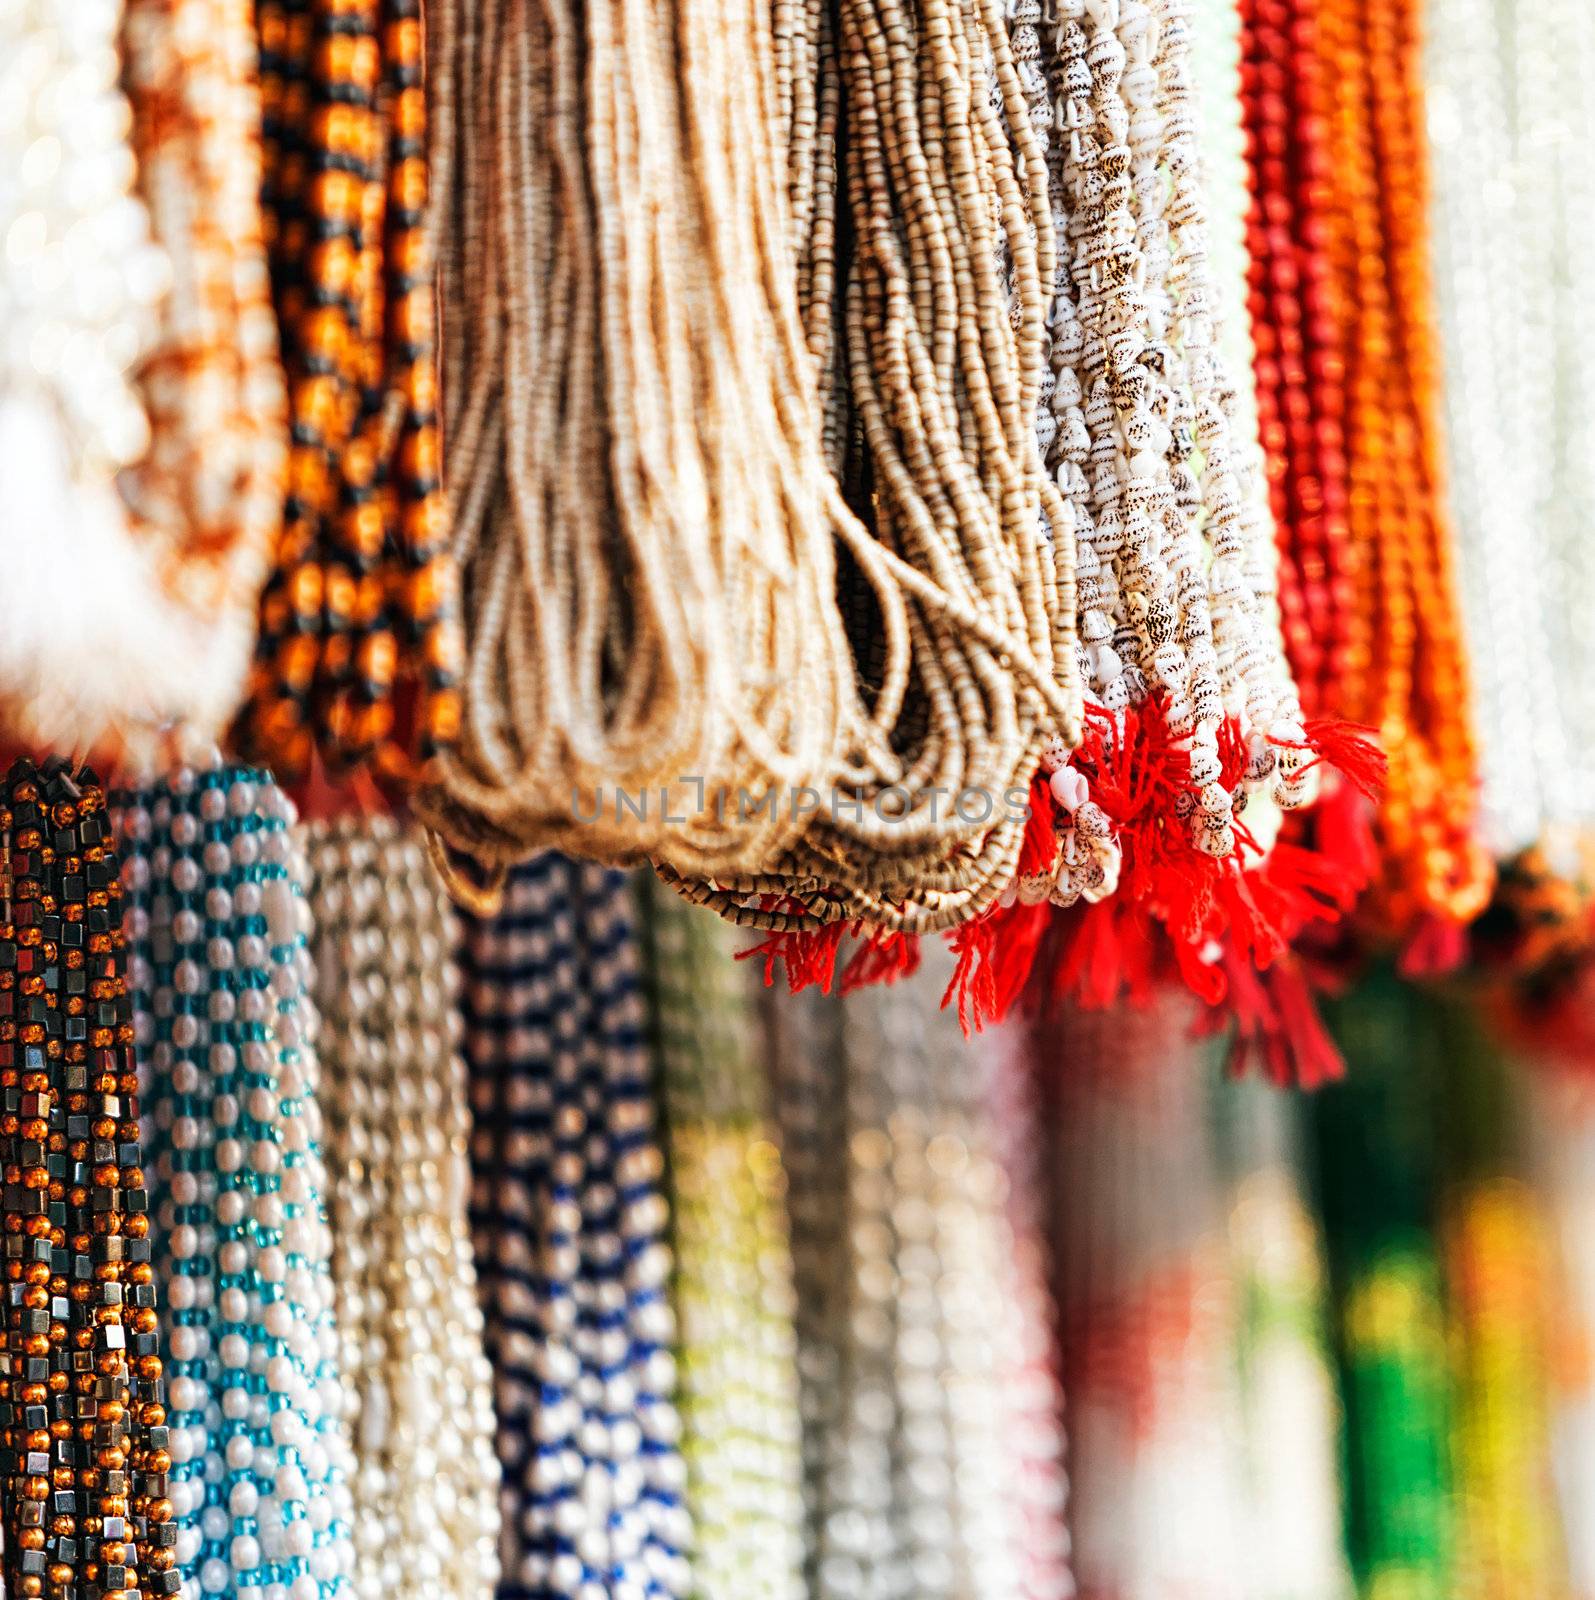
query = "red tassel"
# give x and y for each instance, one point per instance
(1438, 946)
(1277, 1023)
(882, 958)
(1039, 849)
(996, 955)
(809, 955)
(971, 981)
(1352, 750)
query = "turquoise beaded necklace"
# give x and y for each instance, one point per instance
(224, 1029)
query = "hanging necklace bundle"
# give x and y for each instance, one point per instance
(395, 1106)
(1373, 1140)
(1190, 714)
(727, 678)
(926, 1472)
(84, 1449)
(733, 1262)
(219, 967)
(568, 1224)
(1346, 376)
(359, 632)
(143, 409)
(1288, 1398)
(1509, 107)
(1495, 1251)
(1145, 1307)
(1562, 1170)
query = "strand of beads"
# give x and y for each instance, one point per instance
(1145, 1308)
(1374, 1152)
(1412, 682)
(732, 1287)
(1492, 1231)
(568, 1225)
(926, 1469)
(220, 966)
(397, 1142)
(83, 1429)
(359, 633)
(1287, 1392)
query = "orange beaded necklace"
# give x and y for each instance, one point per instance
(1400, 652)
(359, 647)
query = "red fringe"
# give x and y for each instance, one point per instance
(1039, 849)
(1277, 1024)
(883, 957)
(996, 954)
(1438, 946)
(1353, 751)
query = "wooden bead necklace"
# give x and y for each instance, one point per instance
(359, 634)
(1333, 107)
(84, 1451)
(957, 680)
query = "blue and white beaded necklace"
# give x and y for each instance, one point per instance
(569, 1221)
(219, 969)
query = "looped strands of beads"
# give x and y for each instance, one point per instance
(651, 609)
(1154, 835)
(219, 965)
(359, 643)
(426, 1485)
(142, 421)
(84, 1451)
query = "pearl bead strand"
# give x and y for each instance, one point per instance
(426, 1492)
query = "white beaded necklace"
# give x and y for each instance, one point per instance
(218, 967)
(393, 1089)
(927, 1471)
(1511, 109)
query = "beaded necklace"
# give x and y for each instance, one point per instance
(955, 679)
(1495, 1252)
(84, 1445)
(219, 967)
(161, 476)
(1288, 1398)
(1146, 1309)
(359, 635)
(568, 1224)
(1561, 1145)
(1374, 1150)
(928, 1469)
(1343, 83)
(1507, 102)
(732, 1288)
(426, 1511)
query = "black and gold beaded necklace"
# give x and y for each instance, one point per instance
(83, 1438)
